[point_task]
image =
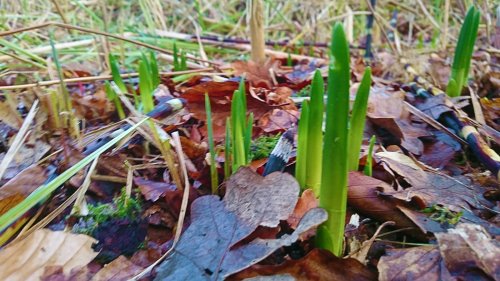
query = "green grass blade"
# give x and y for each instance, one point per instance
(315, 133)
(44, 191)
(358, 120)
(333, 194)
(211, 146)
(301, 163)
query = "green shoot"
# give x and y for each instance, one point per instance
(146, 86)
(369, 158)
(180, 63)
(333, 191)
(463, 53)
(241, 129)
(289, 61)
(227, 150)
(358, 120)
(213, 168)
(115, 99)
(115, 73)
(44, 191)
(153, 67)
(301, 163)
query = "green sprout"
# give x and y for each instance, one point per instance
(369, 158)
(213, 168)
(333, 190)
(113, 97)
(357, 124)
(463, 53)
(442, 214)
(311, 137)
(240, 129)
(148, 81)
(180, 60)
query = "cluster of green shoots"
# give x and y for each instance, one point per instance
(149, 79)
(239, 128)
(180, 60)
(463, 53)
(323, 162)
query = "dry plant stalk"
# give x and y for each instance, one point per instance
(256, 11)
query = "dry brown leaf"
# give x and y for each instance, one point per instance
(119, 269)
(29, 258)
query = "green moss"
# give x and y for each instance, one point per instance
(262, 146)
(120, 208)
(442, 214)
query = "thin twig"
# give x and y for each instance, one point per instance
(96, 78)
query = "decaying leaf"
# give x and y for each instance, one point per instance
(206, 250)
(28, 259)
(419, 264)
(431, 188)
(469, 251)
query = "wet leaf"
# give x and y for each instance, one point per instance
(318, 264)
(28, 259)
(307, 201)
(257, 74)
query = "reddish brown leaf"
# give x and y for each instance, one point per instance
(318, 264)
(153, 190)
(258, 75)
